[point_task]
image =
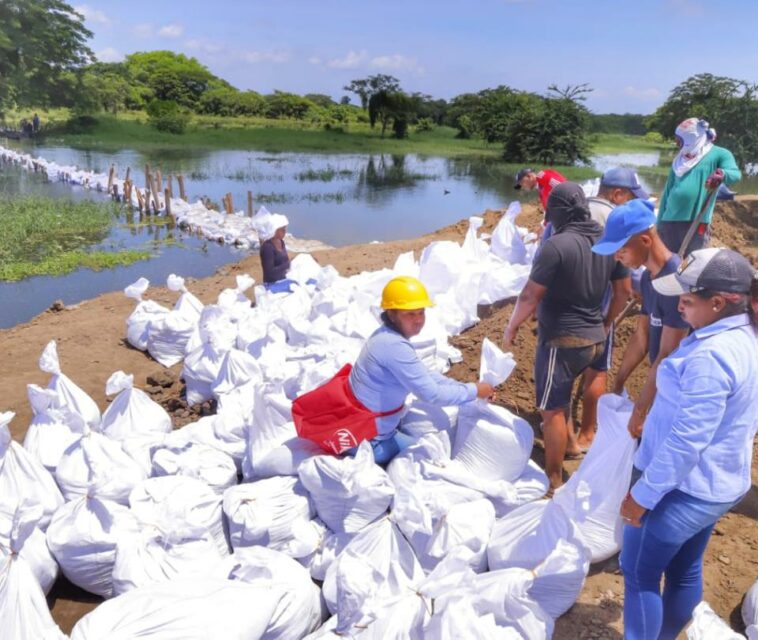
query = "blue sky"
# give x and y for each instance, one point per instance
(632, 52)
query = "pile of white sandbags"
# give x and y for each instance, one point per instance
(450, 540)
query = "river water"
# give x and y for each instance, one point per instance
(338, 199)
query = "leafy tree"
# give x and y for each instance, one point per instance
(320, 99)
(172, 76)
(394, 108)
(367, 87)
(224, 101)
(345, 100)
(281, 104)
(729, 105)
(166, 115)
(628, 123)
(40, 41)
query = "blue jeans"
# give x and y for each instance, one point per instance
(384, 450)
(670, 543)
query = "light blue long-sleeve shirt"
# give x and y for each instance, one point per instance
(388, 369)
(698, 436)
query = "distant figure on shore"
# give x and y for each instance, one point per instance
(543, 181)
(698, 169)
(275, 260)
(35, 123)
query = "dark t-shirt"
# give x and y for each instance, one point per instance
(662, 311)
(275, 263)
(576, 281)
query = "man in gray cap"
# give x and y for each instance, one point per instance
(617, 186)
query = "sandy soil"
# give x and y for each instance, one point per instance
(91, 346)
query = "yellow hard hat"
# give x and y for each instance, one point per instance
(406, 293)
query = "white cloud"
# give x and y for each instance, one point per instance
(650, 93)
(109, 54)
(93, 16)
(205, 46)
(144, 30)
(314, 60)
(352, 60)
(174, 30)
(397, 62)
(254, 57)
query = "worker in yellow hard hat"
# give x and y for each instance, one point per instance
(366, 401)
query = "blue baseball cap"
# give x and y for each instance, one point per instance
(624, 178)
(625, 221)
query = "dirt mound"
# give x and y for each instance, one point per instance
(91, 345)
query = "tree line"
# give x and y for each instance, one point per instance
(45, 61)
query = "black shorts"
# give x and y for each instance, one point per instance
(556, 369)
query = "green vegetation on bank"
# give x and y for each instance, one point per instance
(47, 236)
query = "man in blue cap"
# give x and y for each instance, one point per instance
(631, 235)
(617, 186)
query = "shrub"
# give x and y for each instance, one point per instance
(424, 124)
(166, 115)
(653, 136)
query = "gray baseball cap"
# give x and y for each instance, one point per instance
(714, 269)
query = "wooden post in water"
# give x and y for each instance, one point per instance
(231, 204)
(167, 195)
(170, 185)
(140, 202)
(182, 193)
(156, 195)
(159, 180)
(110, 178)
(116, 197)
(250, 204)
(128, 173)
(148, 188)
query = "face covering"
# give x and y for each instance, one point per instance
(567, 203)
(697, 139)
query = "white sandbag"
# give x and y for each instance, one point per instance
(23, 608)
(285, 460)
(460, 621)
(559, 579)
(325, 547)
(421, 418)
(468, 525)
(237, 368)
(750, 612)
(301, 610)
(83, 535)
(162, 550)
(378, 563)
(225, 431)
(350, 492)
(53, 428)
(502, 280)
(145, 313)
(505, 594)
(201, 367)
(190, 609)
(439, 264)
(271, 426)
(141, 448)
(592, 496)
(132, 412)
(474, 249)
(198, 504)
(495, 366)
(69, 394)
(95, 453)
(33, 549)
(23, 478)
(212, 466)
(187, 304)
(491, 442)
(234, 302)
(507, 243)
(528, 535)
(265, 512)
(541, 537)
(706, 625)
(168, 335)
